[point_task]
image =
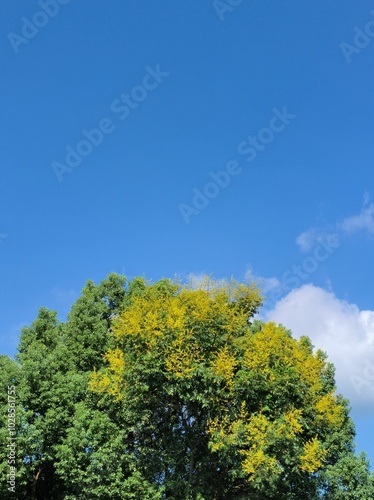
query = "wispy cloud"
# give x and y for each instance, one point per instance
(266, 284)
(363, 221)
(307, 240)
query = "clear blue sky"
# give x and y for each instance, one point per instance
(181, 89)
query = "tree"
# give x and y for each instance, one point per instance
(157, 391)
(69, 441)
(218, 408)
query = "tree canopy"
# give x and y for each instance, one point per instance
(163, 390)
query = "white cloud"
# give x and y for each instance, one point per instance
(268, 284)
(363, 221)
(306, 239)
(309, 239)
(340, 329)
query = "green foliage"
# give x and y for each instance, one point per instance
(220, 408)
(152, 391)
(51, 378)
(348, 479)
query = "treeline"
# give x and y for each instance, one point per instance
(152, 391)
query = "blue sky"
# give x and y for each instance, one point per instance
(228, 139)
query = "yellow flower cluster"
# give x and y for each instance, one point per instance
(313, 456)
(291, 424)
(224, 365)
(110, 382)
(328, 410)
(256, 460)
(182, 355)
(149, 318)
